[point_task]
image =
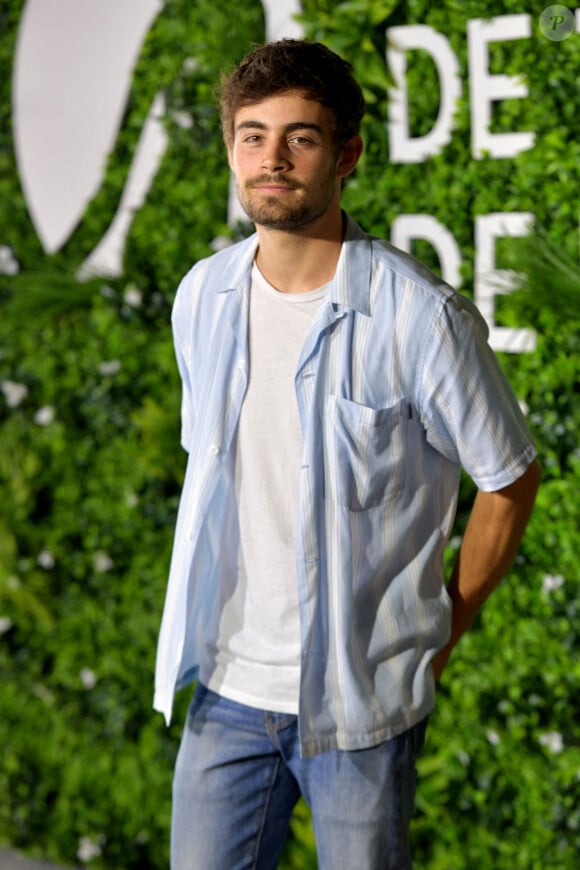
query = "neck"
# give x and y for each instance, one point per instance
(301, 260)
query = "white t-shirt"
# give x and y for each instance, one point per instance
(257, 659)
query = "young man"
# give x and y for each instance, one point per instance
(332, 389)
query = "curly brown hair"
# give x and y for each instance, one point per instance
(294, 65)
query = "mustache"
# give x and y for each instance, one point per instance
(273, 179)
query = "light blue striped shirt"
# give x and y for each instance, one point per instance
(397, 389)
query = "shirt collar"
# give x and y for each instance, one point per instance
(350, 286)
(352, 279)
(237, 267)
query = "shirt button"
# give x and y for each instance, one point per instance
(214, 450)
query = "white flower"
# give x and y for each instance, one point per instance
(183, 120)
(8, 263)
(552, 740)
(131, 499)
(109, 367)
(190, 64)
(102, 561)
(13, 393)
(5, 624)
(46, 560)
(88, 849)
(133, 297)
(88, 678)
(219, 243)
(44, 416)
(551, 582)
(464, 758)
(493, 737)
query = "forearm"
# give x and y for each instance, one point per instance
(494, 531)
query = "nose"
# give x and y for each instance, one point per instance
(275, 156)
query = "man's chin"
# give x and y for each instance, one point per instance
(272, 221)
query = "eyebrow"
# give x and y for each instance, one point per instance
(289, 128)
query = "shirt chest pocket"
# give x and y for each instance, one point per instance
(365, 452)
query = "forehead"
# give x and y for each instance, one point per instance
(283, 110)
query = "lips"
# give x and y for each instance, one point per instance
(273, 188)
(271, 184)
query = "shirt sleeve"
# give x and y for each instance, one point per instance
(469, 410)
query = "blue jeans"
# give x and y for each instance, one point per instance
(239, 774)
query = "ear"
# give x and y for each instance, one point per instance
(349, 156)
(230, 150)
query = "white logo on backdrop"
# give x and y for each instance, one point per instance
(72, 76)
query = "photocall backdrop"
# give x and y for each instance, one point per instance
(113, 181)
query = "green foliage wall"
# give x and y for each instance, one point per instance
(90, 465)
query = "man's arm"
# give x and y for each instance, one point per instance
(492, 538)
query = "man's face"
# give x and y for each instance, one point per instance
(284, 158)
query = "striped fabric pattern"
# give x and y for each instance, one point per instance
(397, 389)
